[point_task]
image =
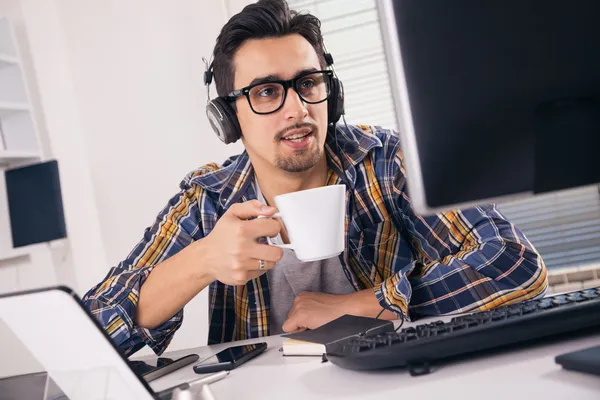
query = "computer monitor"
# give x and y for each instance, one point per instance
(495, 99)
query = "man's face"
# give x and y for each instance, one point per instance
(267, 138)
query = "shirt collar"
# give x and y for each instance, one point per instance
(345, 147)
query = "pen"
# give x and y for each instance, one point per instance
(196, 382)
(205, 380)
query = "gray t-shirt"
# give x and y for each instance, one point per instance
(290, 277)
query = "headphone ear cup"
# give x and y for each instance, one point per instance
(223, 120)
(335, 106)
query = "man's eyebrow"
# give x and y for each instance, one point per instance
(264, 79)
(271, 78)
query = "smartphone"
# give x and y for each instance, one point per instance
(151, 370)
(229, 358)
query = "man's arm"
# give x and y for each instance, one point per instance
(141, 300)
(466, 260)
(171, 285)
(122, 300)
(229, 254)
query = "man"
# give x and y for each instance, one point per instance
(270, 70)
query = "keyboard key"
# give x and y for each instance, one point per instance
(382, 341)
(546, 304)
(515, 311)
(499, 316)
(560, 300)
(575, 297)
(444, 329)
(590, 293)
(529, 308)
(411, 337)
(456, 326)
(393, 337)
(459, 319)
(423, 330)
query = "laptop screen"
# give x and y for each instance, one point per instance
(51, 335)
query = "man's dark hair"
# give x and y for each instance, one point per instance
(264, 19)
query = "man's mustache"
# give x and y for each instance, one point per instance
(281, 133)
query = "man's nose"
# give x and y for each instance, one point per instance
(294, 107)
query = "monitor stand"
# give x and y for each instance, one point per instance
(586, 360)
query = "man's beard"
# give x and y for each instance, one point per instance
(300, 160)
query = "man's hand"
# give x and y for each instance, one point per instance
(231, 252)
(311, 310)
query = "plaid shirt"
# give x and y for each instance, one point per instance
(459, 261)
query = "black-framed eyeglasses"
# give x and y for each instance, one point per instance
(268, 97)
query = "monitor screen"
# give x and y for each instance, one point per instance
(496, 99)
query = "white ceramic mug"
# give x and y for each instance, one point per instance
(314, 220)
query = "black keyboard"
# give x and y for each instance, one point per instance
(420, 346)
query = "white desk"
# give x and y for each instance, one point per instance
(529, 373)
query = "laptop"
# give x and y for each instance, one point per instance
(68, 342)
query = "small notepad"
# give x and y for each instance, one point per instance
(317, 342)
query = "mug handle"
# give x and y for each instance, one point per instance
(283, 246)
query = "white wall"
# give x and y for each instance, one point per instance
(138, 73)
(34, 267)
(121, 88)
(233, 7)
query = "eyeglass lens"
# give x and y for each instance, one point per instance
(268, 97)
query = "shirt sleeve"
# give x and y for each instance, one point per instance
(114, 300)
(464, 260)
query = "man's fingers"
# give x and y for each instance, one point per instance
(266, 252)
(291, 325)
(262, 227)
(255, 274)
(250, 209)
(294, 322)
(254, 265)
(298, 330)
(250, 270)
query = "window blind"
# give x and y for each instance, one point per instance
(352, 35)
(564, 226)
